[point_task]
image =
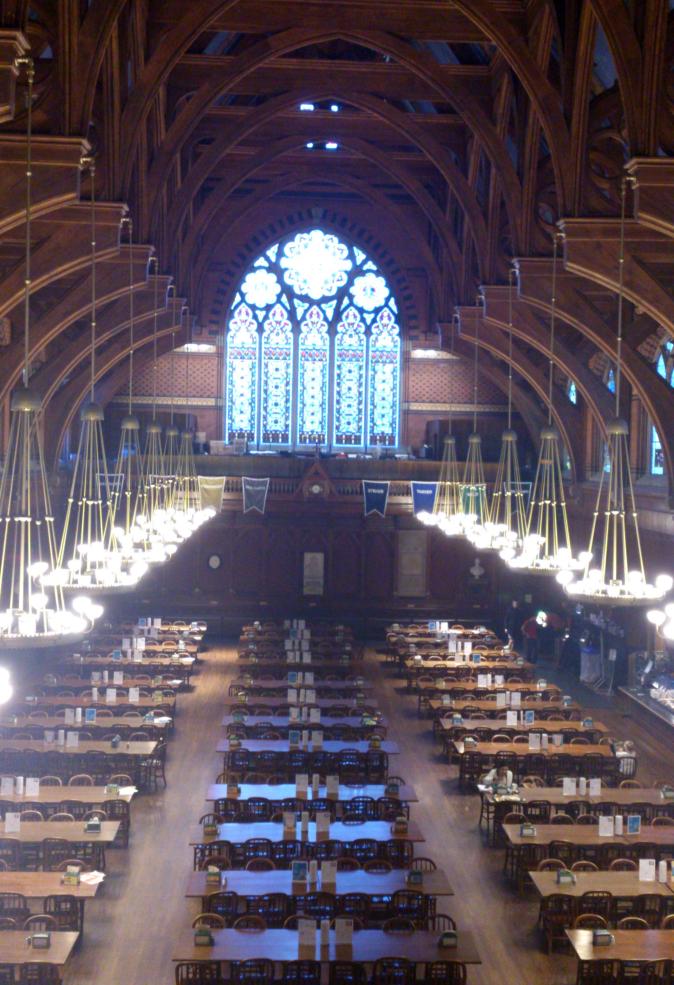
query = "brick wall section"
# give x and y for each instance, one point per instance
(430, 381)
(445, 381)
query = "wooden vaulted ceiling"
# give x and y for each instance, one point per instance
(466, 131)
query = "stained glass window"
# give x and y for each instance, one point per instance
(657, 454)
(571, 392)
(313, 348)
(664, 364)
(242, 358)
(314, 354)
(610, 381)
(277, 375)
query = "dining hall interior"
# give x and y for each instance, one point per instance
(336, 492)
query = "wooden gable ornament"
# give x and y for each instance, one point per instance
(316, 484)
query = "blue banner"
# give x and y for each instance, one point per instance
(423, 496)
(254, 494)
(375, 495)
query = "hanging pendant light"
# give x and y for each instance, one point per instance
(508, 513)
(172, 438)
(620, 577)
(475, 504)
(89, 557)
(128, 483)
(546, 548)
(32, 614)
(447, 513)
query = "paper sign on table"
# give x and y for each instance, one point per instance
(529, 717)
(69, 716)
(72, 739)
(110, 695)
(595, 787)
(309, 677)
(516, 699)
(310, 696)
(569, 786)
(332, 786)
(32, 786)
(606, 828)
(511, 719)
(316, 739)
(90, 715)
(6, 786)
(328, 874)
(301, 785)
(292, 695)
(315, 716)
(294, 713)
(343, 932)
(126, 643)
(535, 741)
(134, 695)
(646, 870)
(322, 826)
(12, 822)
(500, 699)
(306, 938)
(467, 648)
(118, 677)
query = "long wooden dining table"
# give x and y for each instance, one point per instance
(16, 952)
(278, 792)
(236, 833)
(247, 883)
(280, 946)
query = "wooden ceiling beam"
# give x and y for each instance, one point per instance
(420, 19)
(385, 79)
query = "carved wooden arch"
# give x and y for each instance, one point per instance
(171, 47)
(230, 136)
(523, 402)
(527, 327)
(239, 174)
(112, 322)
(339, 223)
(494, 342)
(65, 405)
(457, 95)
(541, 93)
(575, 309)
(69, 308)
(626, 53)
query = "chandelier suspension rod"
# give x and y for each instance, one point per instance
(621, 282)
(154, 339)
(30, 73)
(553, 315)
(511, 274)
(92, 175)
(131, 314)
(475, 380)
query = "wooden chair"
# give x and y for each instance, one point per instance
(81, 780)
(14, 906)
(254, 971)
(250, 923)
(260, 865)
(51, 781)
(445, 973)
(663, 821)
(584, 865)
(198, 973)
(393, 971)
(623, 865)
(301, 973)
(347, 864)
(633, 923)
(550, 865)
(423, 864)
(398, 925)
(347, 973)
(557, 913)
(34, 973)
(40, 922)
(561, 818)
(67, 911)
(590, 921)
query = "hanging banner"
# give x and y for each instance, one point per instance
(375, 496)
(423, 496)
(211, 488)
(254, 494)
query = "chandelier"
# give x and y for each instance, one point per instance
(663, 619)
(620, 577)
(546, 546)
(31, 614)
(507, 526)
(128, 481)
(89, 557)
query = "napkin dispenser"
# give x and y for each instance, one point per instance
(448, 938)
(601, 937)
(392, 788)
(93, 826)
(527, 830)
(565, 877)
(234, 742)
(114, 741)
(414, 877)
(203, 937)
(213, 877)
(399, 826)
(375, 742)
(40, 940)
(210, 829)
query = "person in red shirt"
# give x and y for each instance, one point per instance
(530, 632)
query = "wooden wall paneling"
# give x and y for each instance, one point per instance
(343, 574)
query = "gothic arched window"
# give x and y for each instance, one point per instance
(313, 348)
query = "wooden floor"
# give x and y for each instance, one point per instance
(130, 929)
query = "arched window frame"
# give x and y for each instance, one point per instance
(373, 375)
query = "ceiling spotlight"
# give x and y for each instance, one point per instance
(334, 108)
(310, 145)
(307, 107)
(331, 145)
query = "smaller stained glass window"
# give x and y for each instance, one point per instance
(571, 392)
(610, 381)
(657, 454)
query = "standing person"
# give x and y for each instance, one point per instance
(513, 625)
(530, 632)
